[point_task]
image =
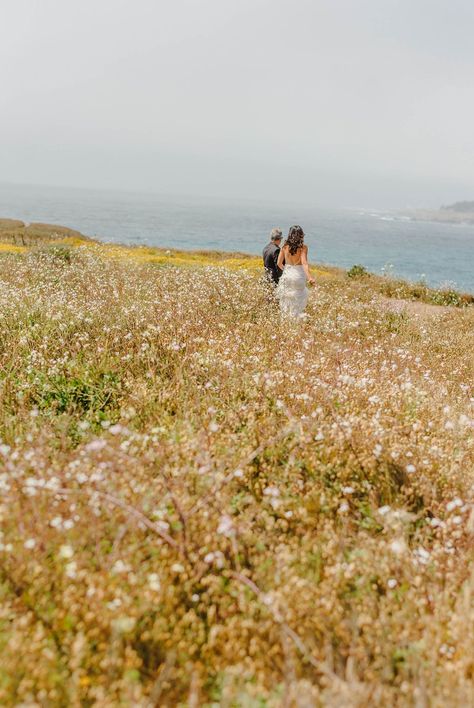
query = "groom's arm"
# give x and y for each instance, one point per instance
(280, 260)
(276, 258)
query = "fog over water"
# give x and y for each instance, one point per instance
(318, 102)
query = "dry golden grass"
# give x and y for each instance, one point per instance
(202, 505)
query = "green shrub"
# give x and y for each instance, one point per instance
(57, 252)
(447, 297)
(357, 271)
(88, 394)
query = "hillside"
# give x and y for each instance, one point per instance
(18, 233)
(205, 505)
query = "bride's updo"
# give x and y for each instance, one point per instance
(295, 239)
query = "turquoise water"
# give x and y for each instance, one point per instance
(439, 253)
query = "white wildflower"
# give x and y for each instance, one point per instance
(120, 567)
(436, 523)
(271, 491)
(377, 451)
(422, 555)
(118, 429)
(114, 604)
(95, 445)
(71, 569)
(154, 581)
(398, 546)
(122, 625)
(226, 527)
(66, 551)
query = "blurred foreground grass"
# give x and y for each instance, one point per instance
(203, 505)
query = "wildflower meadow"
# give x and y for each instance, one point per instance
(204, 505)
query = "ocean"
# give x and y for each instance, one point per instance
(441, 254)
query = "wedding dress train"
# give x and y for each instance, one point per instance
(292, 291)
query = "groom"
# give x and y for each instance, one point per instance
(270, 257)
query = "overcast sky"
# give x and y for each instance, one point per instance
(332, 102)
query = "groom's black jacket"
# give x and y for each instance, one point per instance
(270, 259)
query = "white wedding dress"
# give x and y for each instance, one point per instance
(291, 291)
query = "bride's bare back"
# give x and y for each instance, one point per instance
(298, 258)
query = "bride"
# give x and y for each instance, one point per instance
(293, 260)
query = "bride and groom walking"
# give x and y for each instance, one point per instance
(287, 270)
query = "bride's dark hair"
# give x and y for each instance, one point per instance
(295, 239)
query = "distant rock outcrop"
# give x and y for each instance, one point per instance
(464, 207)
(457, 213)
